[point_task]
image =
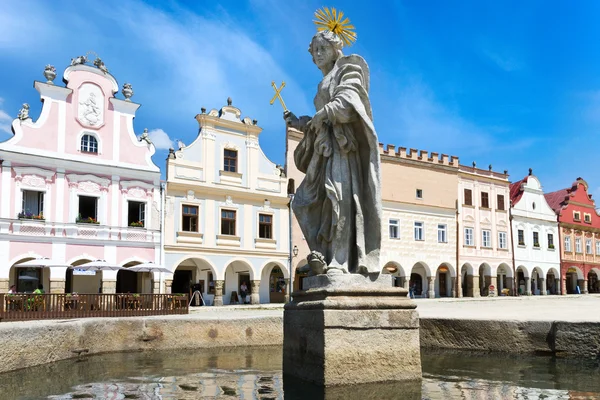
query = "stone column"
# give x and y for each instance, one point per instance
(218, 301)
(509, 285)
(287, 293)
(453, 286)
(563, 286)
(109, 287)
(4, 286)
(542, 282)
(585, 286)
(494, 283)
(458, 286)
(254, 292)
(528, 286)
(431, 287)
(168, 285)
(559, 290)
(56, 286)
(475, 280)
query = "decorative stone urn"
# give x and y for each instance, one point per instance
(50, 74)
(127, 91)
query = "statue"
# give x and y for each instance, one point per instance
(127, 91)
(24, 112)
(98, 63)
(145, 137)
(78, 60)
(338, 204)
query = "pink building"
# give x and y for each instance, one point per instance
(77, 185)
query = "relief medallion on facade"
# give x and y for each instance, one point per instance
(91, 106)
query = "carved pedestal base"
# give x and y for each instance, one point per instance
(347, 330)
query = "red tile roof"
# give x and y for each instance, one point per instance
(515, 190)
(557, 199)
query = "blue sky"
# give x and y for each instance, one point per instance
(513, 84)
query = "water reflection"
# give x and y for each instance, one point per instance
(255, 373)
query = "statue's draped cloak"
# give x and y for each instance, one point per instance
(338, 204)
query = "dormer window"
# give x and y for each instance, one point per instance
(89, 144)
(576, 216)
(587, 218)
(230, 160)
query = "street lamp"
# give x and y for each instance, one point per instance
(295, 251)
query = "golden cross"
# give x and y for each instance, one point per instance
(278, 95)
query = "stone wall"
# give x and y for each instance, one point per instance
(25, 344)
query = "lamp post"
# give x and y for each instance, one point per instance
(294, 251)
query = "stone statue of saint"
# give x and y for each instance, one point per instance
(338, 204)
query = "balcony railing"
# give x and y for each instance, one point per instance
(19, 307)
(31, 227)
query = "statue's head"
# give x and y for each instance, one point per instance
(325, 48)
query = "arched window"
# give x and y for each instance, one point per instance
(89, 144)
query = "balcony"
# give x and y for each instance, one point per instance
(85, 231)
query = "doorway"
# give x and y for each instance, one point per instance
(127, 282)
(443, 282)
(181, 282)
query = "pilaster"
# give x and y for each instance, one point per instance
(254, 292)
(218, 301)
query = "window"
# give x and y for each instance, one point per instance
(32, 205)
(230, 161)
(598, 247)
(136, 213)
(587, 218)
(469, 237)
(189, 219)
(419, 193)
(486, 237)
(550, 241)
(568, 243)
(485, 201)
(521, 237)
(536, 239)
(502, 240)
(211, 283)
(578, 245)
(265, 226)
(576, 216)
(419, 234)
(394, 229)
(588, 246)
(88, 209)
(500, 199)
(468, 197)
(442, 234)
(89, 144)
(227, 222)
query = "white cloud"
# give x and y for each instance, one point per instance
(160, 139)
(502, 61)
(5, 119)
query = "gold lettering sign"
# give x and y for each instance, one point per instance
(572, 270)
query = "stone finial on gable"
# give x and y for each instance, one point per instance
(49, 74)
(229, 101)
(127, 91)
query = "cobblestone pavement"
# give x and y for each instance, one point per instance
(524, 308)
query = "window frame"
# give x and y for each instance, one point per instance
(550, 238)
(598, 247)
(232, 224)
(40, 202)
(536, 239)
(485, 196)
(141, 210)
(500, 204)
(469, 236)
(469, 197)
(568, 244)
(419, 194)
(578, 246)
(420, 229)
(489, 238)
(587, 218)
(577, 216)
(88, 144)
(191, 217)
(227, 167)
(268, 225)
(588, 246)
(443, 229)
(521, 235)
(502, 240)
(394, 223)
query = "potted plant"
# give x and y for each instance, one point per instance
(536, 244)
(87, 220)
(29, 215)
(551, 246)
(137, 224)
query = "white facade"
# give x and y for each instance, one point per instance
(227, 218)
(485, 248)
(535, 239)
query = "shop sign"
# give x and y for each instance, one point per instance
(572, 270)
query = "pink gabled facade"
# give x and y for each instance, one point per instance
(78, 185)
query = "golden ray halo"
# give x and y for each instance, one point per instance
(334, 21)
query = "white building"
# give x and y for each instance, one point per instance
(227, 218)
(485, 249)
(535, 238)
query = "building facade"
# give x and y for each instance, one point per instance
(534, 238)
(419, 220)
(78, 185)
(485, 249)
(579, 226)
(226, 214)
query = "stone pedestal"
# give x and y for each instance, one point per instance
(255, 292)
(109, 287)
(218, 301)
(349, 329)
(431, 287)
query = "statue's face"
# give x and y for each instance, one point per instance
(323, 52)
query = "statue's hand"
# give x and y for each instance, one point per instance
(290, 118)
(317, 121)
